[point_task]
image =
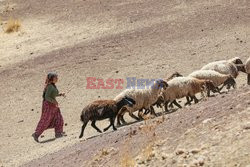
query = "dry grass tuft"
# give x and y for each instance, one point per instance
(127, 161)
(148, 152)
(125, 154)
(13, 25)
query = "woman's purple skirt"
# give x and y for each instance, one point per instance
(51, 118)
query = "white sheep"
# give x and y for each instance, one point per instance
(247, 67)
(231, 66)
(185, 87)
(160, 99)
(216, 77)
(144, 99)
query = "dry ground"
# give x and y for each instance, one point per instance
(115, 38)
(214, 132)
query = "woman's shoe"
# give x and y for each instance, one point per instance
(35, 137)
(59, 135)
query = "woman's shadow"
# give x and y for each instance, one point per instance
(48, 140)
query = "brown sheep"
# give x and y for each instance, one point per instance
(103, 109)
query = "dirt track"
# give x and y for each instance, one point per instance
(77, 38)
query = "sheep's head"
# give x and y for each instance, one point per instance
(241, 67)
(236, 60)
(159, 101)
(174, 75)
(160, 84)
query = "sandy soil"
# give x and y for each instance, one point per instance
(103, 39)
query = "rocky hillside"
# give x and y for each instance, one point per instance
(214, 132)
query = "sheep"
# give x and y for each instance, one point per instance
(144, 99)
(103, 109)
(216, 77)
(247, 67)
(185, 87)
(231, 66)
(160, 99)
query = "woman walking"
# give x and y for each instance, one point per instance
(51, 116)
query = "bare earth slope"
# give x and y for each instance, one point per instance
(214, 132)
(103, 39)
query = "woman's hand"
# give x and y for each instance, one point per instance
(62, 94)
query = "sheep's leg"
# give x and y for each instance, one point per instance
(105, 129)
(140, 113)
(188, 100)
(133, 116)
(123, 120)
(208, 93)
(152, 111)
(221, 87)
(217, 89)
(146, 111)
(248, 79)
(94, 126)
(83, 127)
(166, 106)
(195, 99)
(171, 105)
(120, 117)
(177, 104)
(112, 121)
(118, 120)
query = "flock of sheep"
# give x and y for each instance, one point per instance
(166, 92)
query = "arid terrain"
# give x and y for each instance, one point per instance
(120, 39)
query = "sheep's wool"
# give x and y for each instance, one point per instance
(179, 87)
(144, 97)
(212, 75)
(223, 67)
(248, 66)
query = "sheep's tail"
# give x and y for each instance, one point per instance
(82, 117)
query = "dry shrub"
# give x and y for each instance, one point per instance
(13, 25)
(148, 151)
(127, 161)
(126, 156)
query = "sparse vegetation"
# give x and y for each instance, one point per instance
(13, 25)
(148, 152)
(127, 161)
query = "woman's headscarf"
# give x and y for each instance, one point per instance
(49, 79)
